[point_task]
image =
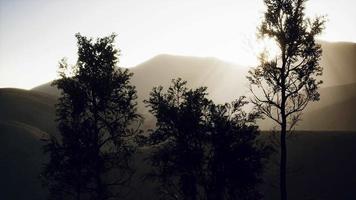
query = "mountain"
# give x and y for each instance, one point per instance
(226, 82)
(25, 117)
(335, 111)
(322, 162)
(339, 63)
(339, 116)
(21, 160)
(31, 108)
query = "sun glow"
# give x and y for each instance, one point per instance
(225, 29)
(268, 47)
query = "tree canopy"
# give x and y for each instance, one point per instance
(97, 119)
(283, 86)
(202, 150)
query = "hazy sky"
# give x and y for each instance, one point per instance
(36, 34)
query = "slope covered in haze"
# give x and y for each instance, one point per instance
(338, 60)
(338, 116)
(21, 160)
(28, 107)
(339, 63)
(334, 94)
(224, 80)
(335, 111)
(25, 118)
(324, 162)
(227, 82)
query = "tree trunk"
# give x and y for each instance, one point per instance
(99, 184)
(283, 163)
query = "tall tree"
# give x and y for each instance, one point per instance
(177, 140)
(202, 150)
(234, 156)
(96, 113)
(283, 86)
(66, 174)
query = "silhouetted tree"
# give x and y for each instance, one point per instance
(202, 150)
(178, 139)
(97, 119)
(235, 158)
(283, 86)
(67, 172)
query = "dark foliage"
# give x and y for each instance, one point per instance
(234, 160)
(284, 85)
(202, 150)
(96, 114)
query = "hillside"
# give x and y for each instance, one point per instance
(339, 63)
(320, 167)
(226, 82)
(315, 158)
(338, 116)
(333, 95)
(28, 107)
(21, 161)
(25, 118)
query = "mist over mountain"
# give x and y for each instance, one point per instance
(339, 63)
(26, 116)
(227, 81)
(28, 108)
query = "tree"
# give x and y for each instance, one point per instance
(97, 119)
(202, 150)
(235, 157)
(177, 140)
(283, 86)
(66, 174)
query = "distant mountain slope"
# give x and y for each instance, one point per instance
(334, 94)
(224, 80)
(227, 81)
(338, 60)
(21, 160)
(28, 107)
(26, 115)
(47, 89)
(339, 63)
(25, 118)
(336, 110)
(338, 116)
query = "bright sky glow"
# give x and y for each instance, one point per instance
(36, 34)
